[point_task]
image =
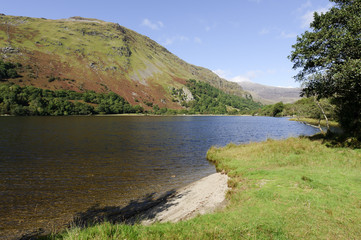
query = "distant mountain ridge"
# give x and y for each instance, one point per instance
(270, 95)
(89, 54)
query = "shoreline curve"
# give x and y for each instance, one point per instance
(200, 197)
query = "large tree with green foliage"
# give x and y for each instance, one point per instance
(8, 70)
(329, 56)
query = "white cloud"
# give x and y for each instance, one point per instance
(197, 40)
(240, 78)
(183, 38)
(256, 1)
(278, 32)
(248, 77)
(180, 38)
(264, 31)
(221, 73)
(168, 41)
(171, 40)
(288, 35)
(304, 6)
(307, 17)
(285, 87)
(152, 25)
(160, 24)
(207, 26)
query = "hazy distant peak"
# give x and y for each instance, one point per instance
(288, 87)
(269, 94)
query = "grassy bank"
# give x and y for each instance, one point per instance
(315, 122)
(289, 189)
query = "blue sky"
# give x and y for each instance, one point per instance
(238, 39)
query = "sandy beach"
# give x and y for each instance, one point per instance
(200, 197)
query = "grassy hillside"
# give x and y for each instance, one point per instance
(288, 189)
(200, 98)
(88, 54)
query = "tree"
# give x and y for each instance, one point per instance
(277, 109)
(7, 70)
(330, 60)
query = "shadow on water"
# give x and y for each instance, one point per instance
(136, 211)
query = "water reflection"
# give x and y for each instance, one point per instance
(54, 167)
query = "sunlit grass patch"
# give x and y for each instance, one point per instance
(316, 122)
(313, 189)
(288, 189)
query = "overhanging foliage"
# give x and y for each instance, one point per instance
(330, 60)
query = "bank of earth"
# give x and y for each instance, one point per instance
(288, 189)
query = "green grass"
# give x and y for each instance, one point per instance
(315, 122)
(289, 189)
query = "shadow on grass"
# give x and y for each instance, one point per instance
(136, 211)
(129, 214)
(337, 140)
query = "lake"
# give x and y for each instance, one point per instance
(54, 167)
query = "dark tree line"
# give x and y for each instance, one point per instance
(32, 101)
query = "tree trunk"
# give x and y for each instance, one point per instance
(323, 112)
(319, 125)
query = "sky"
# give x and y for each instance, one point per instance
(240, 40)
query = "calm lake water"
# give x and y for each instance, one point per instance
(54, 167)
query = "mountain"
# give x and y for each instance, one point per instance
(270, 95)
(89, 54)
